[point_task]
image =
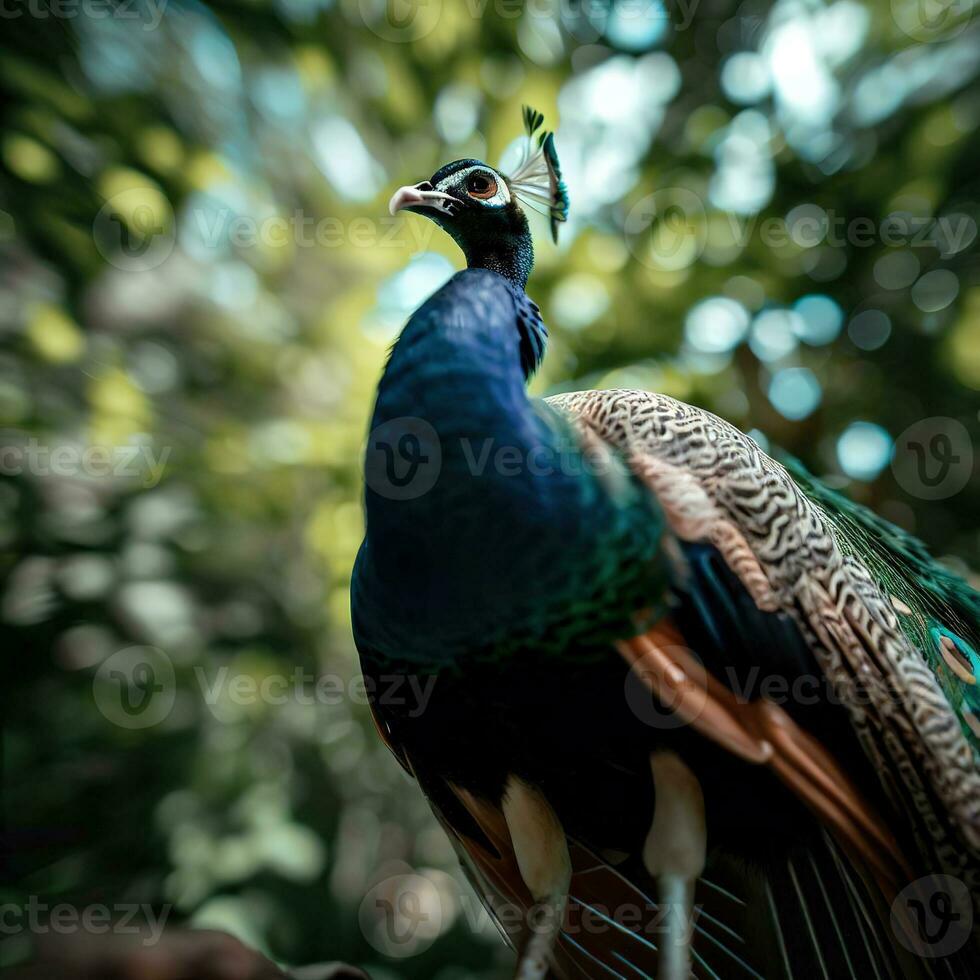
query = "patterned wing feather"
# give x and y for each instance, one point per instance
(890, 629)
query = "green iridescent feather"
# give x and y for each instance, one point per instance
(942, 603)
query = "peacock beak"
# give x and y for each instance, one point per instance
(421, 196)
(405, 197)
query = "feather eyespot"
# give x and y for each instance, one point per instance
(481, 186)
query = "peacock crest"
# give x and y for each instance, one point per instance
(537, 181)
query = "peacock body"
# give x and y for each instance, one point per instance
(597, 582)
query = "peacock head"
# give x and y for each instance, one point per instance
(480, 207)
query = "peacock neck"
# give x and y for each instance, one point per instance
(512, 258)
(456, 378)
(480, 507)
(480, 336)
(504, 246)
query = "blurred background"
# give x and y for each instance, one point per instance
(774, 215)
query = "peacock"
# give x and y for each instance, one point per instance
(603, 589)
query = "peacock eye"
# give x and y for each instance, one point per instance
(481, 186)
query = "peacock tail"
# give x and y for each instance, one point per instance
(939, 610)
(877, 611)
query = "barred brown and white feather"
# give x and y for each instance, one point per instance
(715, 484)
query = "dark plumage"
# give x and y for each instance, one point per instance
(544, 547)
(567, 555)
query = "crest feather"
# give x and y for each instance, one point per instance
(533, 120)
(537, 180)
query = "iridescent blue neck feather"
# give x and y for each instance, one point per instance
(484, 524)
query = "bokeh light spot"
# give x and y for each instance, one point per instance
(820, 319)
(863, 450)
(869, 329)
(795, 393)
(716, 325)
(935, 290)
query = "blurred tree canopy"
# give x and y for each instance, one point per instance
(774, 215)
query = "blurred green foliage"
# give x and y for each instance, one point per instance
(200, 282)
